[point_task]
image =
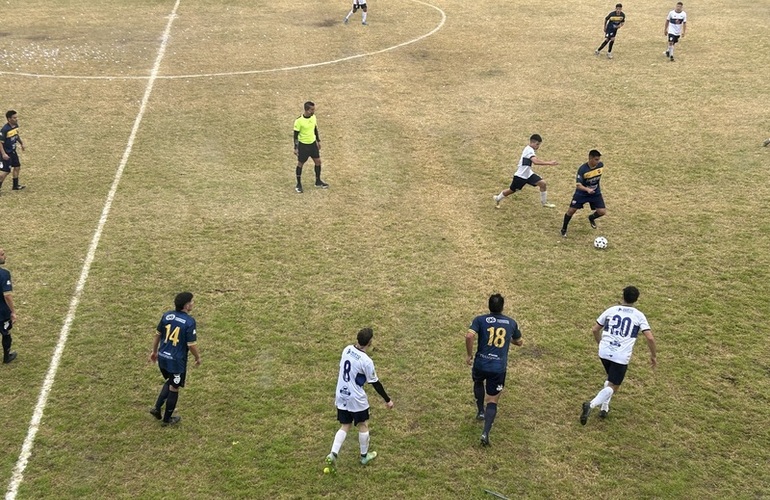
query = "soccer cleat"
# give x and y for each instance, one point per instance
(671, 59)
(563, 233)
(172, 421)
(369, 457)
(609, 55)
(767, 141)
(298, 188)
(321, 184)
(603, 413)
(497, 202)
(156, 413)
(585, 412)
(364, 23)
(665, 53)
(480, 415)
(549, 205)
(11, 357)
(18, 188)
(592, 222)
(331, 464)
(484, 440)
(596, 52)
(345, 21)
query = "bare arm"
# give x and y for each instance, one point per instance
(155, 344)
(536, 161)
(684, 28)
(581, 187)
(470, 336)
(196, 354)
(597, 331)
(653, 348)
(665, 28)
(9, 300)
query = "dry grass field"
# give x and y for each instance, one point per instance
(417, 137)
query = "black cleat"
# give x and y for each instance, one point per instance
(298, 188)
(480, 415)
(484, 440)
(18, 188)
(671, 58)
(563, 233)
(603, 414)
(11, 357)
(584, 414)
(156, 413)
(321, 184)
(592, 222)
(172, 421)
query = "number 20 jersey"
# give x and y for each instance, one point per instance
(622, 325)
(356, 369)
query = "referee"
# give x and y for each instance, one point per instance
(307, 144)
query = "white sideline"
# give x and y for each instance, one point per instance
(34, 424)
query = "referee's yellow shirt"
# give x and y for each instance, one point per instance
(306, 128)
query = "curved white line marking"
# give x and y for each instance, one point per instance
(247, 72)
(42, 400)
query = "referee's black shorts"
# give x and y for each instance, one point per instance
(305, 151)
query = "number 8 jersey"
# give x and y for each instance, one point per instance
(356, 369)
(622, 325)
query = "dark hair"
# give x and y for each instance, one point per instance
(680, 3)
(535, 138)
(619, 6)
(309, 104)
(364, 336)
(630, 294)
(182, 299)
(9, 114)
(594, 154)
(496, 303)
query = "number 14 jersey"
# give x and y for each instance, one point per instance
(622, 325)
(356, 370)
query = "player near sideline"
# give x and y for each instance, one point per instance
(7, 311)
(357, 4)
(587, 190)
(356, 370)
(307, 144)
(174, 337)
(524, 174)
(676, 25)
(616, 331)
(496, 332)
(612, 23)
(9, 138)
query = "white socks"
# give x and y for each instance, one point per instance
(500, 196)
(363, 17)
(363, 441)
(543, 197)
(339, 438)
(603, 397)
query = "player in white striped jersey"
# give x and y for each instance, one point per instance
(676, 25)
(615, 331)
(356, 370)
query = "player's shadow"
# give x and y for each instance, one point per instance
(326, 23)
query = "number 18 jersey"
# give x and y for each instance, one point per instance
(495, 333)
(622, 325)
(356, 370)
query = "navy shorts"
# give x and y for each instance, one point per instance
(175, 379)
(615, 371)
(495, 382)
(594, 200)
(5, 166)
(5, 326)
(672, 39)
(610, 34)
(14, 159)
(352, 417)
(305, 151)
(519, 182)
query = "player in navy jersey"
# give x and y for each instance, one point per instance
(496, 332)
(9, 138)
(587, 190)
(612, 23)
(616, 331)
(174, 337)
(7, 311)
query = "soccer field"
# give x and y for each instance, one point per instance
(159, 159)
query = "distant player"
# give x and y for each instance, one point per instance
(676, 25)
(7, 311)
(612, 23)
(356, 370)
(616, 330)
(174, 337)
(587, 190)
(357, 4)
(496, 332)
(9, 138)
(524, 174)
(307, 144)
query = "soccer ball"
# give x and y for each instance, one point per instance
(600, 242)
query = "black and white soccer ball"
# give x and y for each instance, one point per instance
(600, 242)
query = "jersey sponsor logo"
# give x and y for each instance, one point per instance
(491, 320)
(592, 173)
(353, 354)
(177, 378)
(170, 317)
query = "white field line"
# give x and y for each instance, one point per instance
(248, 72)
(34, 424)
